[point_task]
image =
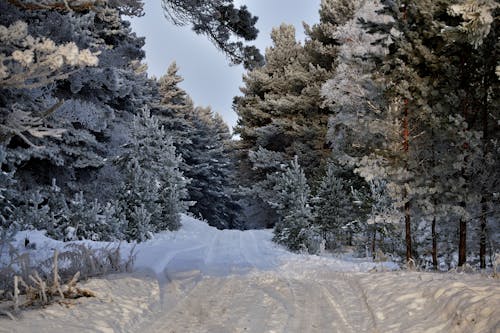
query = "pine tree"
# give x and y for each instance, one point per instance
(154, 190)
(7, 194)
(427, 60)
(334, 209)
(203, 140)
(280, 110)
(73, 105)
(210, 169)
(292, 197)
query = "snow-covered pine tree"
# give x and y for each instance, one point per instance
(292, 198)
(7, 194)
(282, 107)
(479, 28)
(358, 126)
(154, 191)
(336, 214)
(98, 99)
(280, 110)
(203, 140)
(210, 169)
(139, 199)
(431, 55)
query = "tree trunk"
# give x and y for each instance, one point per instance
(374, 239)
(434, 202)
(482, 237)
(462, 243)
(408, 231)
(406, 148)
(487, 79)
(434, 245)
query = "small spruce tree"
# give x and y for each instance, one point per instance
(292, 203)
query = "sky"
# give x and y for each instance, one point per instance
(208, 77)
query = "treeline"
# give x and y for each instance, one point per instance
(90, 147)
(380, 131)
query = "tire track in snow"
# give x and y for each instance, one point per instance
(245, 249)
(356, 285)
(267, 300)
(274, 291)
(162, 264)
(208, 258)
(253, 254)
(346, 327)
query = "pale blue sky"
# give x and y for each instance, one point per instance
(208, 77)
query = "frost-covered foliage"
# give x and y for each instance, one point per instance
(71, 81)
(28, 62)
(37, 61)
(477, 20)
(335, 209)
(91, 95)
(210, 169)
(292, 201)
(67, 219)
(280, 110)
(410, 93)
(402, 95)
(6, 195)
(154, 189)
(203, 140)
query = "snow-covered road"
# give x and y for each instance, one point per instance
(265, 303)
(200, 279)
(233, 281)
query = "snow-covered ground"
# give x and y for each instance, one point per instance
(200, 279)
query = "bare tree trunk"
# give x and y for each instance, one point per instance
(374, 239)
(462, 243)
(406, 149)
(482, 237)
(434, 245)
(408, 232)
(434, 203)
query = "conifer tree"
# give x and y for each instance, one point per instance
(292, 197)
(335, 210)
(203, 140)
(74, 100)
(210, 169)
(428, 60)
(280, 110)
(154, 190)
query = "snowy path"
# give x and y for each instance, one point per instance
(200, 279)
(266, 303)
(237, 281)
(232, 283)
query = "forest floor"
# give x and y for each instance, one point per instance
(200, 279)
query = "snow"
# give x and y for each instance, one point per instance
(200, 279)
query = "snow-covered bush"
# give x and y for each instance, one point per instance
(69, 218)
(41, 283)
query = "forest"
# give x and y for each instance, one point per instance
(380, 132)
